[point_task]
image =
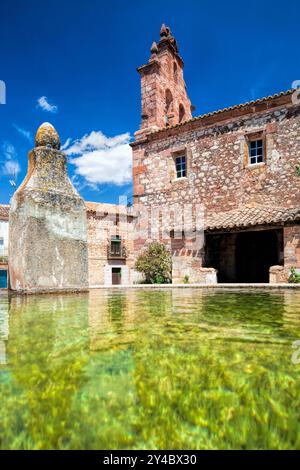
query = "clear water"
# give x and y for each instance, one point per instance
(156, 369)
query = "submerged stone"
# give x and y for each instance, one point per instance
(48, 226)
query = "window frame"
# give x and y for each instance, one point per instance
(181, 167)
(249, 139)
(116, 245)
(257, 157)
(179, 151)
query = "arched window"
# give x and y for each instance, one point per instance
(175, 71)
(169, 106)
(181, 113)
(169, 101)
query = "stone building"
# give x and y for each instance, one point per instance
(237, 166)
(110, 244)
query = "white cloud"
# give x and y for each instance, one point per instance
(10, 165)
(9, 151)
(100, 159)
(26, 134)
(66, 144)
(11, 168)
(44, 104)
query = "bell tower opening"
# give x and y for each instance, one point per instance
(181, 113)
(169, 108)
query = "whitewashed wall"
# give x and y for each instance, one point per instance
(4, 235)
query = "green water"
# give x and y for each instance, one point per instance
(156, 369)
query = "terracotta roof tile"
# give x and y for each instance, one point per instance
(247, 216)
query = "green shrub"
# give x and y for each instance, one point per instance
(186, 279)
(294, 277)
(155, 263)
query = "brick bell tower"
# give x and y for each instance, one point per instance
(164, 98)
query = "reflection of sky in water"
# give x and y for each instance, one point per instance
(174, 368)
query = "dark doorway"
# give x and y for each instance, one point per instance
(244, 256)
(116, 276)
(256, 252)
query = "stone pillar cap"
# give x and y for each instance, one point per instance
(47, 136)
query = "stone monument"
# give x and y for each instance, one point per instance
(47, 224)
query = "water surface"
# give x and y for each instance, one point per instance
(156, 369)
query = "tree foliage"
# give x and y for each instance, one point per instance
(294, 276)
(155, 263)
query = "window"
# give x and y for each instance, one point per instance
(115, 245)
(256, 151)
(175, 72)
(169, 107)
(179, 234)
(181, 113)
(180, 163)
(116, 249)
(1, 246)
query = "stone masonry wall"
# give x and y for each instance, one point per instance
(292, 247)
(217, 175)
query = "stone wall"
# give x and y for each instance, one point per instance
(188, 269)
(217, 174)
(278, 275)
(291, 248)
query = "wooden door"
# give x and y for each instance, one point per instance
(116, 276)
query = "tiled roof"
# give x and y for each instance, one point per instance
(247, 216)
(4, 211)
(231, 108)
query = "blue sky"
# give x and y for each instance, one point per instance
(79, 59)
